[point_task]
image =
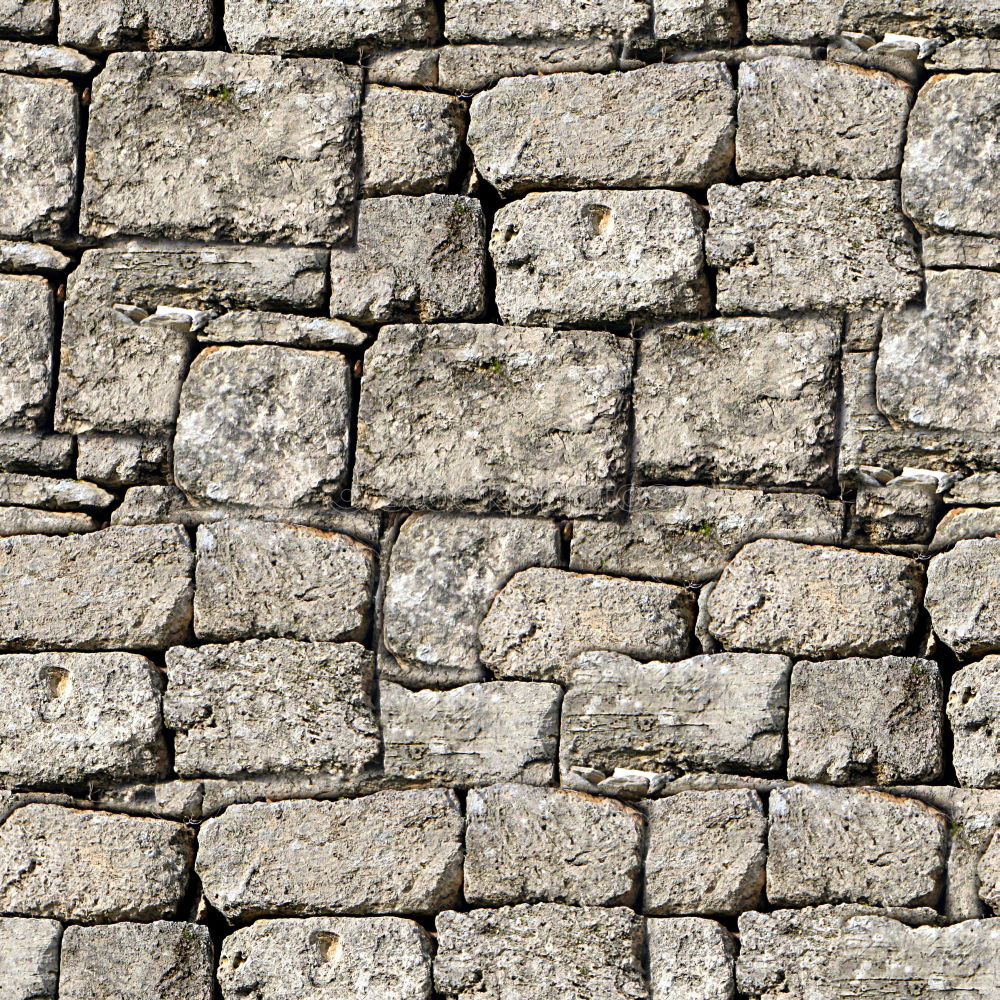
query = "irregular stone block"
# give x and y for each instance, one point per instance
(464, 69)
(705, 853)
(815, 601)
(41, 60)
(27, 18)
(27, 335)
(837, 845)
(687, 534)
(460, 384)
(538, 952)
(973, 711)
(245, 327)
(270, 705)
(483, 21)
(894, 514)
(29, 521)
(165, 959)
(415, 68)
(118, 588)
(858, 721)
(473, 735)
(444, 571)
(550, 845)
(41, 122)
(415, 258)
(29, 958)
(810, 243)
(350, 958)
(658, 126)
(569, 258)
(750, 401)
(965, 522)
(961, 597)
(544, 618)
(952, 162)
(965, 54)
(989, 875)
(52, 494)
(92, 867)
(27, 258)
(255, 128)
(696, 23)
(98, 26)
(808, 117)
(123, 459)
(398, 852)
(959, 250)
(621, 713)
(33, 451)
(264, 426)
(690, 958)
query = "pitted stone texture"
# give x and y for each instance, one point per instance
(572, 258)
(963, 597)
(540, 952)
(989, 874)
(967, 54)
(444, 572)
(858, 721)
(690, 959)
(749, 401)
(415, 258)
(27, 18)
(123, 459)
(856, 845)
(894, 514)
(484, 21)
(417, 68)
(108, 25)
(828, 952)
(261, 580)
(525, 420)
(325, 26)
(959, 250)
(52, 494)
(471, 735)
(706, 853)
(27, 337)
(810, 243)
(965, 522)
(544, 618)
(264, 426)
(36, 451)
(687, 534)
(528, 845)
(951, 170)
(270, 705)
(247, 327)
(167, 960)
(29, 958)
(117, 588)
(19, 257)
(815, 601)
(40, 122)
(974, 714)
(410, 141)
(70, 718)
(397, 852)
(30, 521)
(660, 126)
(268, 155)
(808, 117)
(696, 23)
(92, 867)
(708, 713)
(327, 958)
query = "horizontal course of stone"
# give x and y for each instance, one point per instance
(499, 500)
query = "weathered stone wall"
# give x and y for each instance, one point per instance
(499, 499)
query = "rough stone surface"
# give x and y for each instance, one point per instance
(696, 23)
(571, 258)
(122, 459)
(34, 451)
(18, 257)
(398, 852)
(103, 26)
(564, 453)
(815, 601)
(967, 54)
(549, 845)
(246, 327)
(544, 618)
(959, 250)
(483, 21)
(894, 514)
(52, 494)
(27, 337)
(471, 735)
(690, 958)
(27, 18)
(963, 597)
(965, 522)
(29, 958)
(31, 521)
(989, 874)
(974, 714)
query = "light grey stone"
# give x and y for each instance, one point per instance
(464, 69)
(255, 128)
(41, 125)
(18, 257)
(660, 126)
(218, 794)
(123, 459)
(92, 867)
(418, 258)
(168, 960)
(705, 853)
(858, 721)
(690, 958)
(472, 735)
(853, 845)
(118, 588)
(974, 714)
(327, 958)
(989, 874)
(246, 327)
(44, 60)
(565, 452)
(952, 162)
(810, 243)
(270, 705)
(544, 618)
(29, 958)
(960, 250)
(444, 572)
(570, 258)
(31, 521)
(415, 68)
(264, 426)
(894, 514)
(52, 494)
(965, 522)
(530, 845)
(815, 601)
(898, 61)
(735, 57)
(966, 54)
(103, 26)
(35, 451)
(172, 799)
(540, 952)
(696, 23)
(27, 335)
(27, 18)
(621, 713)
(687, 534)
(392, 852)
(483, 21)
(961, 597)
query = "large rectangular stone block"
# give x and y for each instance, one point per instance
(484, 21)
(27, 338)
(27, 18)
(972, 708)
(29, 958)
(102, 26)
(690, 958)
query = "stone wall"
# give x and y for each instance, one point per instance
(500, 499)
